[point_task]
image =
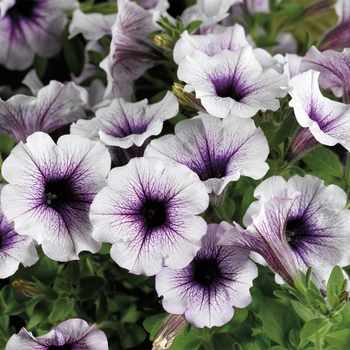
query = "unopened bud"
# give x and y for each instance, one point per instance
(171, 327)
(27, 288)
(187, 100)
(164, 41)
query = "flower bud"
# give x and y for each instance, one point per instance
(187, 100)
(171, 327)
(164, 41)
(27, 288)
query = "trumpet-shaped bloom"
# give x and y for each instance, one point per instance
(218, 278)
(231, 39)
(148, 212)
(55, 105)
(338, 37)
(53, 187)
(73, 334)
(209, 12)
(232, 82)
(14, 249)
(127, 125)
(93, 26)
(294, 225)
(131, 53)
(327, 120)
(334, 67)
(219, 151)
(31, 27)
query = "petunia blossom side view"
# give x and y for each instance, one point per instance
(296, 224)
(73, 334)
(54, 106)
(53, 187)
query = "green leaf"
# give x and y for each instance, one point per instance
(73, 50)
(90, 286)
(40, 65)
(294, 337)
(277, 319)
(287, 128)
(45, 270)
(339, 338)
(334, 283)
(61, 310)
(313, 326)
(133, 335)
(193, 26)
(284, 295)
(72, 270)
(296, 170)
(153, 323)
(303, 312)
(265, 41)
(324, 160)
(185, 342)
(336, 319)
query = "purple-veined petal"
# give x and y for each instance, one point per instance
(232, 82)
(148, 212)
(334, 67)
(74, 333)
(30, 27)
(55, 105)
(219, 151)
(327, 120)
(53, 187)
(218, 278)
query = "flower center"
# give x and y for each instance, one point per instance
(228, 87)
(205, 272)
(293, 231)
(154, 213)
(61, 347)
(22, 9)
(58, 192)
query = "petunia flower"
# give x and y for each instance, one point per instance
(31, 27)
(74, 334)
(334, 68)
(92, 26)
(131, 53)
(338, 37)
(218, 278)
(295, 225)
(126, 126)
(209, 12)
(148, 211)
(323, 120)
(55, 105)
(53, 187)
(14, 249)
(219, 151)
(231, 39)
(232, 82)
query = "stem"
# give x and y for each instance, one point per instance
(318, 343)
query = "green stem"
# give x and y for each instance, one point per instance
(318, 343)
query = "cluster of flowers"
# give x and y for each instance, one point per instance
(65, 197)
